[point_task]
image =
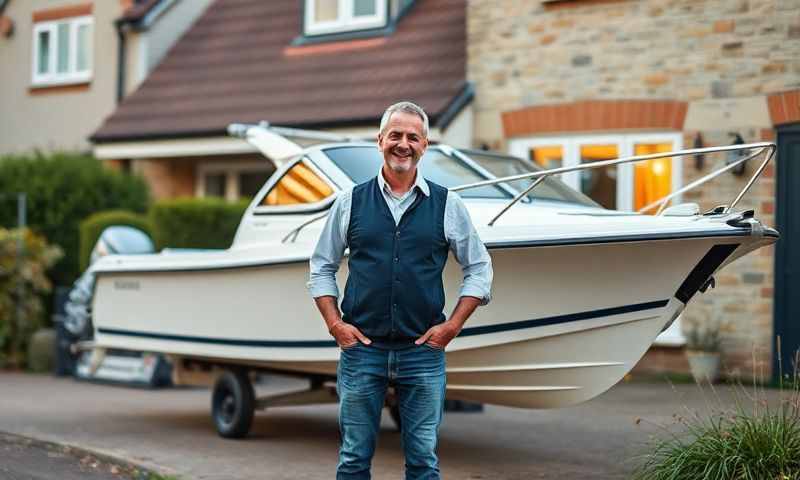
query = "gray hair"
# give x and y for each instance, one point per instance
(405, 107)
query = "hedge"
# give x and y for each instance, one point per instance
(92, 227)
(62, 189)
(195, 222)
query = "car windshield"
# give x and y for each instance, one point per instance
(361, 163)
(550, 189)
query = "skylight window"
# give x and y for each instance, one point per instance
(335, 16)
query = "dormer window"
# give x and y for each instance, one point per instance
(335, 16)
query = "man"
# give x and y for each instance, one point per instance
(391, 331)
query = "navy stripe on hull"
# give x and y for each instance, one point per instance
(466, 332)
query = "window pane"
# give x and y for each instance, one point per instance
(215, 185)
(299, 185)
(600, 183)
(547, 157)
(62, 60)
(43, 61)
(652, 179)
(365, 8)
(326, 10)
(84, 45)
(550, 189)
(251, 182)
(363, 163)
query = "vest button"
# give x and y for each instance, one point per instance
(396, 259)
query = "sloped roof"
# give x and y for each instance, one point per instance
(237, 64)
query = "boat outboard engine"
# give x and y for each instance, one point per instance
(132, 367)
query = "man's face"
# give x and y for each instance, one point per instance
(402, 142)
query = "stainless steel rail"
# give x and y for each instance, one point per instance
(766, 148)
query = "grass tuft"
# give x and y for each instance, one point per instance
(752, 440)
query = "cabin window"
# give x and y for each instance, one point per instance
(300, 184)
(628, 187)
(62, 51)
(334, 16)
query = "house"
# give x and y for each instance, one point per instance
(332, 65)
(66, 64)
(564, 82)
(561, 82)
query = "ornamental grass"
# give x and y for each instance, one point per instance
(753, 440)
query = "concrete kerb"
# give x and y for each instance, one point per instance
(138, 469)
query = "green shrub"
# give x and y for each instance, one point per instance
(195, 222)
(63, 189)
(22, 283)
(761, 442)
(92, 227)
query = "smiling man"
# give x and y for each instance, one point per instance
(399, 228)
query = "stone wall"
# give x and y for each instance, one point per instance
(721, 57)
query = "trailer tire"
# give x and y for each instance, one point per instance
(232, 404)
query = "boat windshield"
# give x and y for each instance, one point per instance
(361, 163)
(551, 189)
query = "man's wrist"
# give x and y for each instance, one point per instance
(334, 326)
(455, 325)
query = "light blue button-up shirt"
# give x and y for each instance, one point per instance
(464, 242)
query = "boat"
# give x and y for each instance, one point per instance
(580, 292)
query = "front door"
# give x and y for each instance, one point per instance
(787, 257)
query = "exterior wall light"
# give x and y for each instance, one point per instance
(733, 156)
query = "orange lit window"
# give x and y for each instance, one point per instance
(547, 157)
(653, 178)
(600, 183)
(298, 185)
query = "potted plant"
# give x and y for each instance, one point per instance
(703, 353)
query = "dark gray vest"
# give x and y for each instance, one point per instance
(394, 292)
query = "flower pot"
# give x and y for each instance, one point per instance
(704, 365)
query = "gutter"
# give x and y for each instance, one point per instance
(124, 25)
(121, 59)
(461, 100)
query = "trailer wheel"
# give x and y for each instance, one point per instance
(233, 404)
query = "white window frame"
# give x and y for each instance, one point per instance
(231, 171)
(72, 75)
(346, 22)
(571, 145)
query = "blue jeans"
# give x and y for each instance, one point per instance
(417, 373)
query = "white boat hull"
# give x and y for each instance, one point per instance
(561, 327)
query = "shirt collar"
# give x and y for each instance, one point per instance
(419, 182)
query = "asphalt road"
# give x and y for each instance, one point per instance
(171, 431)
(28, 459)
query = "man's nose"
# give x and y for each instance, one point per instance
(403, 143)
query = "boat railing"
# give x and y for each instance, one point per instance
(762, 148)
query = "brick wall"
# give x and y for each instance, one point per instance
(721, 59)
(168, 177)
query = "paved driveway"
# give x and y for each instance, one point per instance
(171, 429)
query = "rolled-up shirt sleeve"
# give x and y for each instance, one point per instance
(327, 256)
(469, 250)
